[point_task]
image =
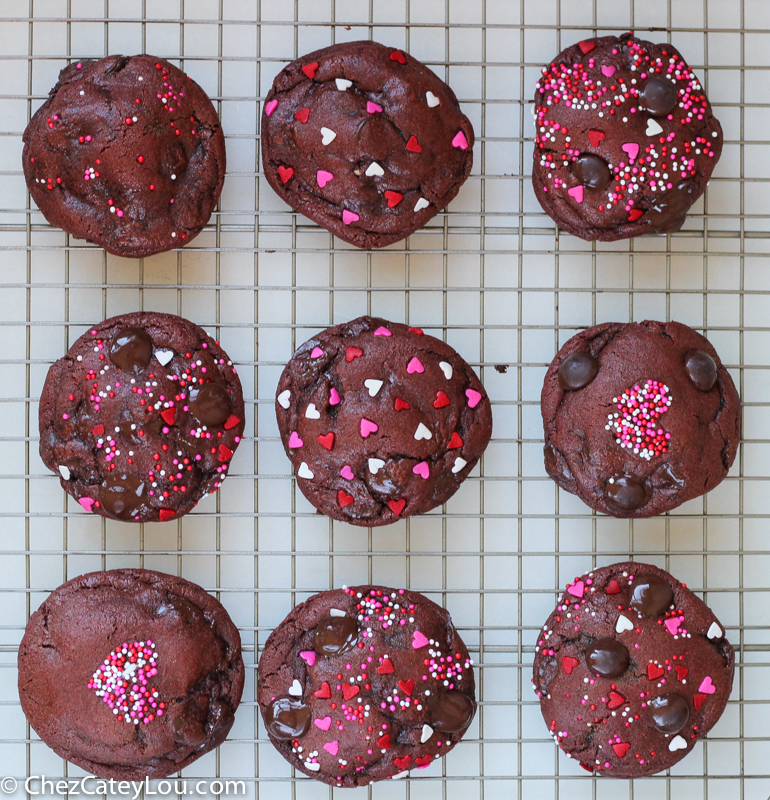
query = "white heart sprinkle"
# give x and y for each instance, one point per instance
(400, 775)
(623, 624)
(427, 732)
(304, 472)
(373, 386)
(653, 128)
(446, 369)
(313, 766)
(677, 743)
(714, 632)
(343, 84)
(375, 465)
(421, 203)
(374, 169)
(164, 356)
(433, 101)
(327, 136)
(64, 472)
(422, 433)
(311, 412)
(283, 398)
(336, 612)
(459, 464)
(295, 690)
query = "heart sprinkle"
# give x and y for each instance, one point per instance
(635, 425)
(270, 107)
(323, 177)
(349, 216)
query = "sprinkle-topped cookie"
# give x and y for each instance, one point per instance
(625, 139)
(141, 418)
(631, 669)
(365, 140)
(366, 683)
(380, 420)
(128, 153)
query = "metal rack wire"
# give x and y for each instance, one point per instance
(492, 277)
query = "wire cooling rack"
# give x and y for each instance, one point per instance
(492, 277)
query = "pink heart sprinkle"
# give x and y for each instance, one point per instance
(87, 502)
(632, 148)
(419, 640)
(332, 747)
(415, 365)
(474, 397)
(295, 441)
(372, 108)
(608, 70)
(382, 332)
(576, 192)
(707, 687)
(349, 216)
(334, 397)
(316, 352)
(347, 473)
(270, 107)
(422, 469)
(323, 177)
(673, 623)
(367, 427)
(324, 724)
(309, 656)
(460, 141)
(577, 589)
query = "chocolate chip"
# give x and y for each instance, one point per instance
(701, 370)
(188, 728)
(668, 713)
(123, 496)
(211, 404)
(651, 595)
(592, 171)
(669, 209)
(626, 493)
(658, 97)
(665, 477)
(178, 605)
(577, 371)
(453, 713)
(335, 636)
(287, 718)
(131, 350)
(607, 657)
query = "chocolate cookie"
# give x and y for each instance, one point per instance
(128, 153)
(130, 673)
(625, 141)
(141, 418)
(361, 684)
(631, 670)
(380, 421)
(366, 141)
(639, 418)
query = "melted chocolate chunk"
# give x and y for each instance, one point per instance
(592, 171)
(188, 726)
(666, 478)
(287, 718)
(577, 371)
(701, 369)
(131, 350)
(668, 713)
(651, 595)
(607, 657)
(123, 496)
(211, 404)
(178, 605)
(220, 716)
(626, 493)
(658, 97)
(335, 636)
(669, 210)
(453, 713)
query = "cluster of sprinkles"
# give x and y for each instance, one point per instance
(123, 681)
(636, 423)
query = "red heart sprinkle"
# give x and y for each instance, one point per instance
(423, 761)
(353, 352)
(616, 700)
(384, 742)
(621, 749)
(698, 700)
(98, 430)
(455, 441)
(349, 690)
(587, 769)
(396, 506)
(568, 664)
(401, 405)
(595, 137)
(654, 671)
(418, 331)
(344, 499)
(225, 453)
(386, 667)
(406, 686)
(394, 198)
(634, 214)
(165, 514)
(586, 47)
(325, 692)
(310, 69)
(169, 415)
(326, 441)
(286, 173)
(613, 587)
(402, 763)
(302, 115)
(231, 422)
(397, 55)
(681, 672)
(441, 400)
(413, 145)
